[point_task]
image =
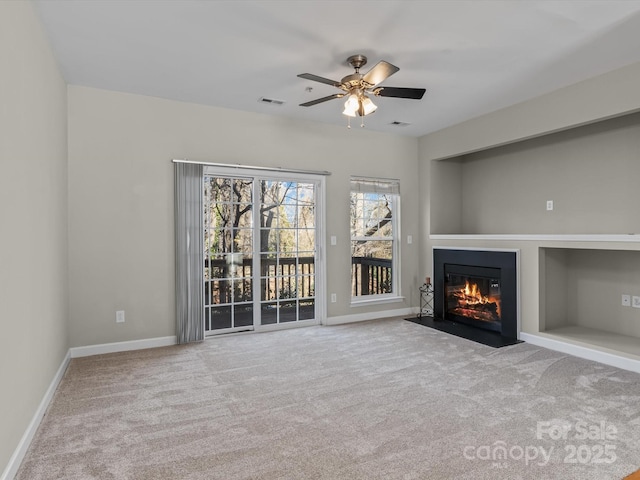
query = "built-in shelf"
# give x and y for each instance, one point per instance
(629, 238)
(606, 341)
(580, 302)
(606, 347)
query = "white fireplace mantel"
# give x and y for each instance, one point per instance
(627, 238)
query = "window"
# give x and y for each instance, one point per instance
(375, 206)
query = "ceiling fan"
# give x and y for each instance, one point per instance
(357, 87)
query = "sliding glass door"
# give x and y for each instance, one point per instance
(260, 252)
(287, 251)
(228, 277)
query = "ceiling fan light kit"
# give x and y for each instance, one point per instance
(358, 104)
(358, 87)
(351, 106)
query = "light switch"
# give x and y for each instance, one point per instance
(334, 240)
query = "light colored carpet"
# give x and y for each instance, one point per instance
(376, 400)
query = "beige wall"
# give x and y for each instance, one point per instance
(33, 208)
(121, 199)
(596, 280)
(446, 193)
(589, 172)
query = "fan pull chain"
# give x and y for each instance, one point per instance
(349, 122)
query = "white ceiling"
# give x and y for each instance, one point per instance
(472, 56)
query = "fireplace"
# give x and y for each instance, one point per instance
(472, 295)
(477, 288)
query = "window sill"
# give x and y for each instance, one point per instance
(376, 301)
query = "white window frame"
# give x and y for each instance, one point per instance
(389, 187)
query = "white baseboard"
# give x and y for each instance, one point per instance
(363, 317)
(583, 352)
(103, 348)
(21, 450)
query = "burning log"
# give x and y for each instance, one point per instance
(468, 302)
(487, 312)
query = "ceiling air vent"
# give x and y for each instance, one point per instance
(396, 123)
(271, 101)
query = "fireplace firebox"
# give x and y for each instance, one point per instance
(472, 295)
(477, 288)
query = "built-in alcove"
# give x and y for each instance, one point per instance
(576, 260)
(580, 297)
(589, 172)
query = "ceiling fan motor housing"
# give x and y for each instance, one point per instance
(357, 61)
(350, 81)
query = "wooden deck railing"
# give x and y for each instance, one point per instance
(370, 276)
(279, 279)
(288, 278)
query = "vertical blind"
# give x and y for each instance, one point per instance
(189, 241)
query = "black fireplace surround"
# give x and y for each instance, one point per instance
(498, 266)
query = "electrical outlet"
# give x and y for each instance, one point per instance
(334, 298)
(549, 205)
(635, 301)
(120, 316)
(626, 300)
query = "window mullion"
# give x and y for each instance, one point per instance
(257, 254)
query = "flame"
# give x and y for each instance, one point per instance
(472, 292)
(471, 296)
